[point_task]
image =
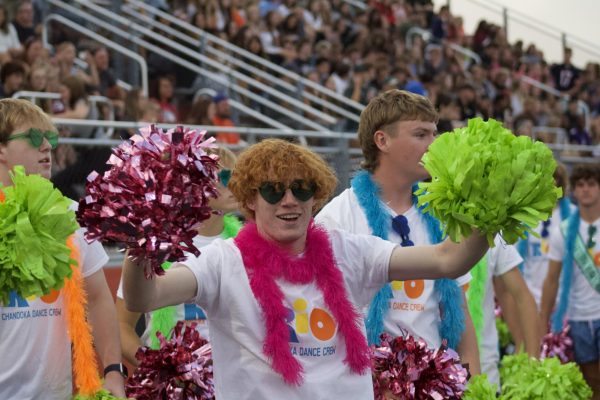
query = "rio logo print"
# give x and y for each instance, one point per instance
(14, 300)
(303, 321)
(413, 288)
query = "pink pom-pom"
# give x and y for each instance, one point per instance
(154, 196)
(180, 369)
(558, 345)
(405, 368)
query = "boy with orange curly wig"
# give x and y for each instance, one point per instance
(282, 298)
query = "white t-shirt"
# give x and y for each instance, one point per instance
(35, 350)
(9, 40)
(415, 306)
(188, 312)
(536, 261)
(584, 301)
(500, 259)
(237, 329)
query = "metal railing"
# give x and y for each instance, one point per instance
(206, 37)
(427, 35)
(192, 66)
(92, 99)
(336, 148)
(101, 39)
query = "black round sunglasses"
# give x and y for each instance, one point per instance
(273, 192)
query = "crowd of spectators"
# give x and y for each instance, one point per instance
(355, 52)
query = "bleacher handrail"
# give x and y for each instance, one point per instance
(193, 67)
(107, 42)
(93, 100)
(426, 35)
(241, 64)
(252, 133)
(246, 54)
(222, 68)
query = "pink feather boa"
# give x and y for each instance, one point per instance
(265, 262)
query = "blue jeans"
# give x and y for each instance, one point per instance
(586, 340)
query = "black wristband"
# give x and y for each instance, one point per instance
(120, 368)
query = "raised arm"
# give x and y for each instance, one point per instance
(444, 260)
(176, 286)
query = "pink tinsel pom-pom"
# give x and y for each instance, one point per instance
(180, 369)
(154, 195)
(558, 345)
(405, 368)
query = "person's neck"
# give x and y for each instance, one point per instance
(591, 213)
(396, 190)
(212, 227)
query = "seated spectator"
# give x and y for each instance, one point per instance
(574, 123)
(65, 60)
(107, 81)
(162, 94)
(270, 37)
(202, 112)
(449, 113)
(10, 47)
(24, 20)
(222, 117)
(134, 101)
(33, 51)
(466, 102)
(77, 162)
(38, 77)
(12, 76)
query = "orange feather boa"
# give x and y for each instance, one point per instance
(85, 366)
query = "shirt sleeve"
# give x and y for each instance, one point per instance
(208, 270)
(556, 244)
(364, 261)
(93, 256)
(504, 258)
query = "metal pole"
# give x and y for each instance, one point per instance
(505, 20)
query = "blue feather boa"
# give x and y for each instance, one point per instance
(450, 294)
(564, 207)
(567, 272)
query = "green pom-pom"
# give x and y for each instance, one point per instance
(100, 395)
(527, 378)
(479, 388)
(35, 223)
(483, 176)
(504, 336)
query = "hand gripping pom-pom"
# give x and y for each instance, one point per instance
(485, 177)
(154, 196)
(180, 369)
(405, 368)
(558, 345)
(35, 223)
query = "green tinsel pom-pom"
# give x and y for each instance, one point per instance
(479, 388)
(100, 395)
(504, 336)
(485, 177)
(525, 378)
(35, 222)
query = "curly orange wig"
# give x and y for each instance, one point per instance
(276, 160)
